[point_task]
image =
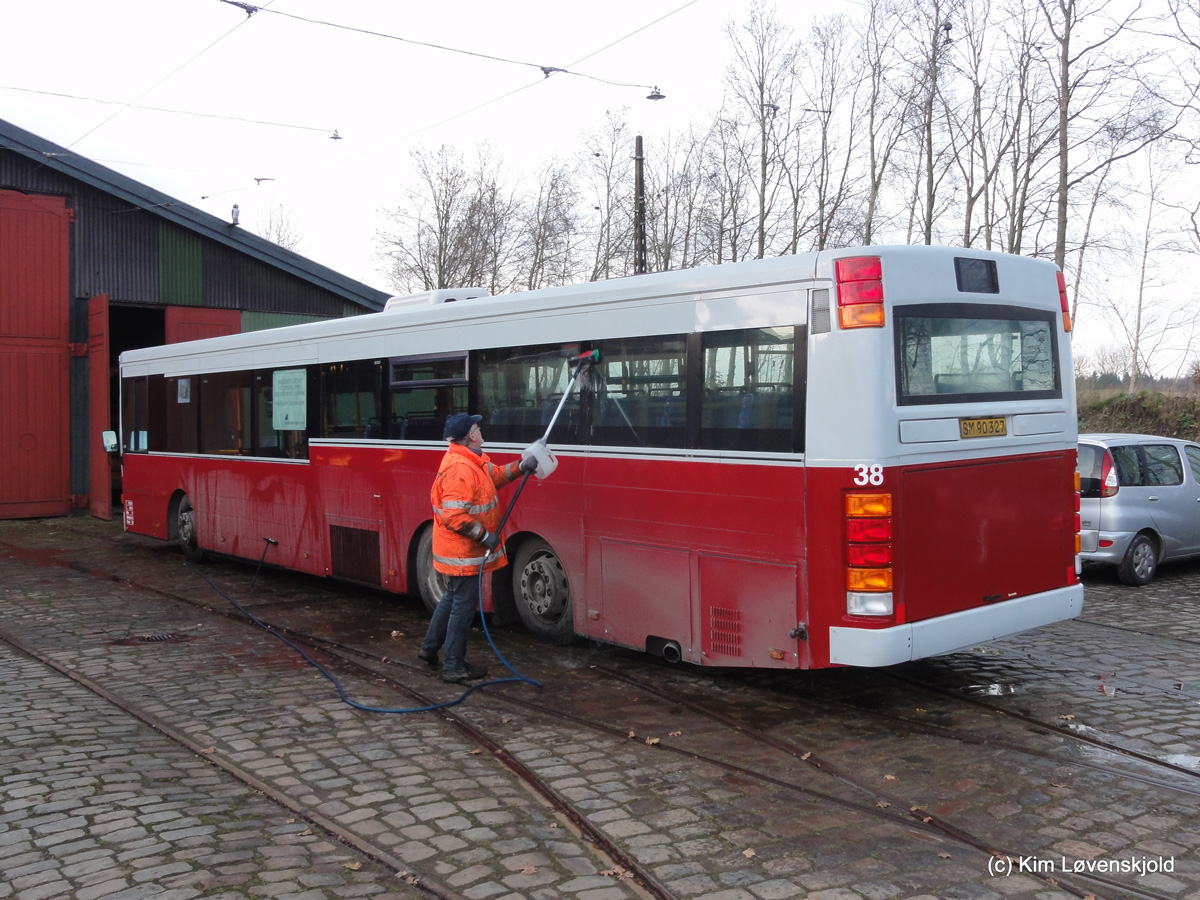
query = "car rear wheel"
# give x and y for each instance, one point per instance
(1140, 562)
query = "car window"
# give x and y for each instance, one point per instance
(1163, 466)
(1129, 467)
(1089, 463)
(1193, 457)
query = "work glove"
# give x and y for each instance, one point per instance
(489, 540)
(529, 465)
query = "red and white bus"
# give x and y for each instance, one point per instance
(851, 457)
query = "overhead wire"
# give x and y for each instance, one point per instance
(166, 77)
(181, 112)
(546, 70)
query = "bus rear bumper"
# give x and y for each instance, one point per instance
(945, 634)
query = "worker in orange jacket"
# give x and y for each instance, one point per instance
(466, 521)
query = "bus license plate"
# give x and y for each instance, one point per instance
(989, 426)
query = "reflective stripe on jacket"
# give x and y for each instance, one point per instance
(465, 505)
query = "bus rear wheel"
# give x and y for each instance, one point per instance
(542, 593)
(430, 582)
(185, 528)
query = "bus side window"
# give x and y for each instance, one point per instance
(225, 413)
(135, 410)
(350, 406)
(748, 389)
(640, 392)
(518, 390)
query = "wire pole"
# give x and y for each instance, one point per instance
(639, 210)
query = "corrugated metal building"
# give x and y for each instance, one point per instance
(93, 263)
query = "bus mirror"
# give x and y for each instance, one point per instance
(109, 439)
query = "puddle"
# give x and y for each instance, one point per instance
(989, 690)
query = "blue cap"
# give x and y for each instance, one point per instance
(459, 426)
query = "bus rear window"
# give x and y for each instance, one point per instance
(961, 353)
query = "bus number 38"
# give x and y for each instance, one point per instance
(865, 474)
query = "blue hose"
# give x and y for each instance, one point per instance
(517, 676)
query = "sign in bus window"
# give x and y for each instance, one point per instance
(964, 353)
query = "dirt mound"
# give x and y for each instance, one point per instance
(1168, 415)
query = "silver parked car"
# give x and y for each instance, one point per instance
(1139, 502)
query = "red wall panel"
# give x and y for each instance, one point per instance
(34, 356)
(191, 323)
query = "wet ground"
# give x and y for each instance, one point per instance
(153, 746)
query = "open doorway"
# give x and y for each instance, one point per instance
(129, 328)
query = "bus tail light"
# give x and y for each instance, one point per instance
(1062, 299)
(1077, 484)
(860, 292)
(869, 576)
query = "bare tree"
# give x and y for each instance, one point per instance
(280, 228)
(458, 229)
(675, 185)
(606, 174)
(760, 79)
(885, 104)
(550, 237)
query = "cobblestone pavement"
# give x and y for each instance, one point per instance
(244, 775)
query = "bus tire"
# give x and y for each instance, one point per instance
(185, 528)
(1140, 563)
(430, 582)
(542, 593)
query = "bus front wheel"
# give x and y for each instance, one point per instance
(185, 528)
(542, 593)
(430, 582)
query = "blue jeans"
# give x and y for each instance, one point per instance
(452, 620)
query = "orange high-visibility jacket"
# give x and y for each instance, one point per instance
(465, 505)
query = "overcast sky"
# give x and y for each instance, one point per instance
(384, 97)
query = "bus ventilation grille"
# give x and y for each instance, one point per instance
(354, 554)
(724, 631)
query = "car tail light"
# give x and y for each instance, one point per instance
(869, 577)
(859, 291)
(1062, 299)
(1108, 476)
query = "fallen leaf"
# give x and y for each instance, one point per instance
(529, 870)
(921, 709)
(306, 831)
(352, 866)
(412, 879)
(208, 750)
(674, 733)
(397, 634)
(616, 871)
(748, 853)
(944, 855)
(650, 742)
(1066, 718)
(889, 777)
(632, 735)
(927, 819)
(805, 755)
(476, 752)
(882, 804)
